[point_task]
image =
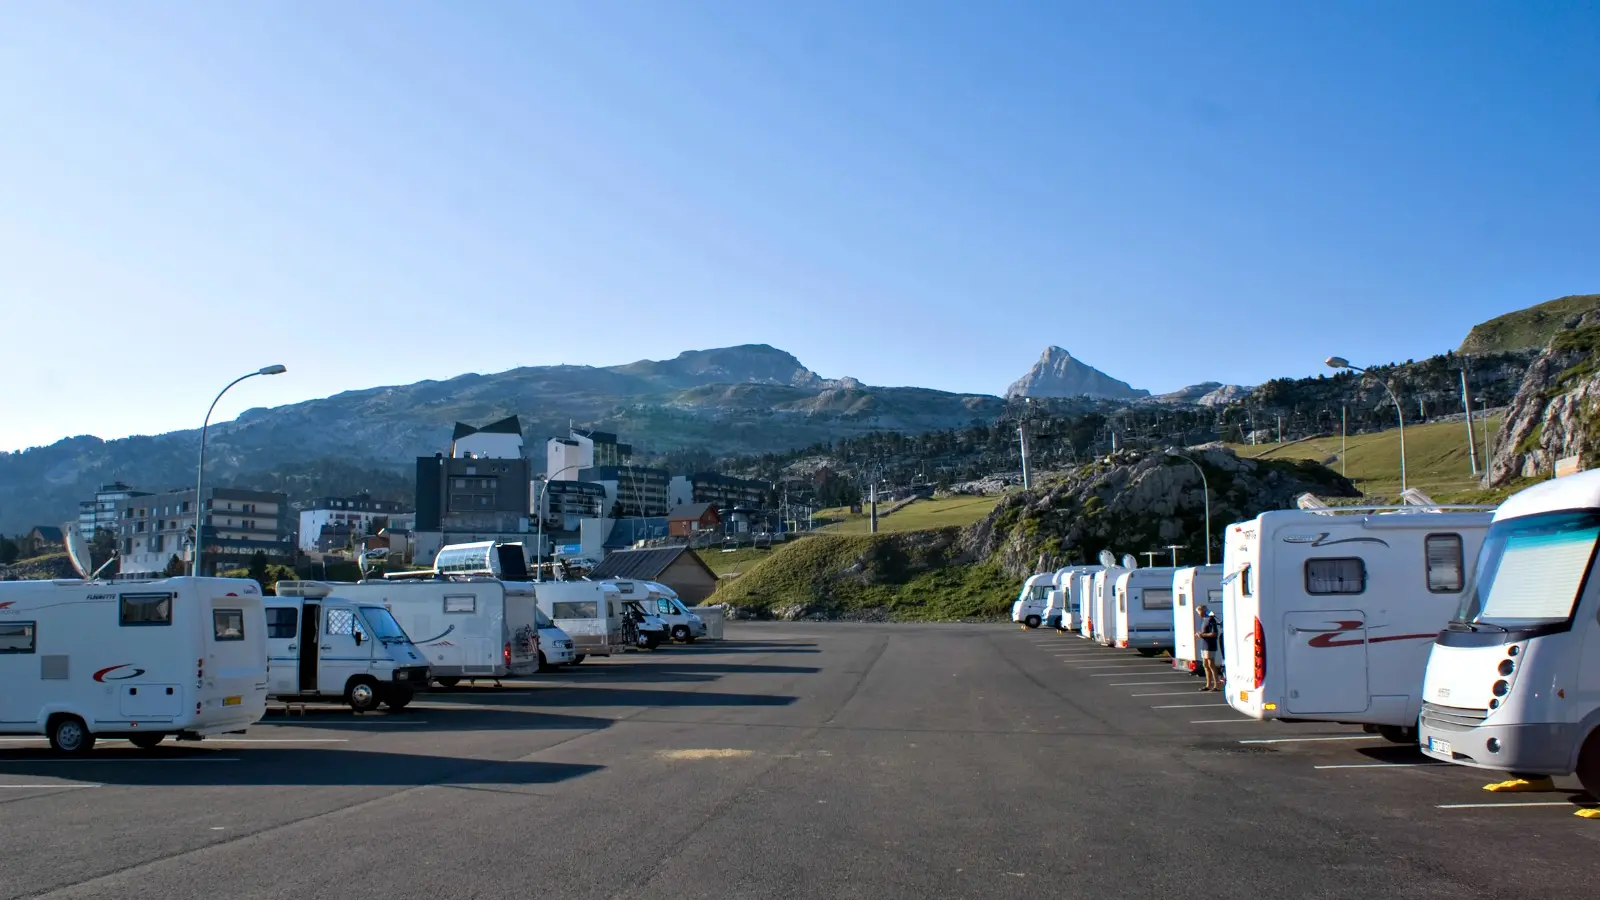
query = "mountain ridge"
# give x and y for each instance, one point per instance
(1058, 374)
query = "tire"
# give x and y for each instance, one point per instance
(399, 699)
(544, 666)
(1148, 652)
(1031, 621)
(680, 634)
(1589, 764)
(362, 695)
(145, 741)
(1397, 734)
(653, 641)
(451, 681)
(69, 735)
(579, 658)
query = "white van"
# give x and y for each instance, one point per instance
(589, 611)
(363, 657)
(1028, 610)
(651, 630)
(466, 626)
(1513, 681)
(683, 624)
(1331, 613)
(556, 647)
(139, 660)
(1193, 588)
(1144, 610)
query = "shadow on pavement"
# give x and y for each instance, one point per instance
(465, 717)
(179, 765)
(587, 696)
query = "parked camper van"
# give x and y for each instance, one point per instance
(324, 646)
(1193, 588)
(1083, 590)
(1331, 613)
(1028, 610)
(589, 611)
(683, 624)
(1066, 601)
(556, 647)
(1513, 681)
(466, 626)
(140, 660)
(651, 630)
(1103, 618)
(1144, 610)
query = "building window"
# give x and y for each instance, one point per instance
(146, 609)
(1445, 570)
(16, 637)
(1346, 575)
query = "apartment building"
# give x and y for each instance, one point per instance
(631, 490)
(726, 491)
(563, 504)
(357, 515)
(101, 512)
(464, 499)
(584, 448)
(497, 440)
(235, 524)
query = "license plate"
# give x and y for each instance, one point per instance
(1439, 746)
(232, 701)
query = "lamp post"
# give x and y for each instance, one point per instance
(538, 571)
(1205, 494)
(1339, 362)
(200, 470)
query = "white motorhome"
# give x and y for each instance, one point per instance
(589, 611)
(1144, 610)
(1513, 681)
(556, 647)
(1028, 610)
(683, 624)
(361, 656)
(1066, 600)
(466, 626)
(139, 660)
(1193, 588)
(1103, 597)
(1331, 612)
(651, 630)
(1083, 589)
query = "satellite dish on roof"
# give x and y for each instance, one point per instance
(1108, 559)
(1128, 562)
(1310, 501)
(1415, 497)
(78, 550)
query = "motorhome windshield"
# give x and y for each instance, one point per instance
(1040, 591)
(383, 625)
(1530, 570)
(542, 620)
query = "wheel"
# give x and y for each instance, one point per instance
(145, 741)
(362, 696)
(1031, 621)
(1148, 651)
(452, 681)
(579, 658)
(680, 633)
(654, 640)
(398, 699)
(1589, 764)
(1397, 734)
(69, 735)
(543, 665)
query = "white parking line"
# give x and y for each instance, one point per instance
(472, 695)
(1495, 805)
(1341, 737)
(313, 723)
(277, 740)
(1189, 706)
(25, 786)
(1382, 765)
(1170, 693)
(1125, 674)
(1221, 721)
(1120, 665)
(1140, 683)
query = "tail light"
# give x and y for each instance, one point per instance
(1260, 641)
(507, 655)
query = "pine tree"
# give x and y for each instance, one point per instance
(258, 569)
(175, 567)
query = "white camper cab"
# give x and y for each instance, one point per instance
(1144, 610)
(1331, 614)
(1513, 681)
(589, 611)
(325, 647)
(1028, 610)
(465, 626)
(682, 624)
(137, 660)
(1193, 588)
(651, 631)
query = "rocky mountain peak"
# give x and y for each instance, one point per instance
(1058, 374)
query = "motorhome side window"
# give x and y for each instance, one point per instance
(341, 621)
(1156, 598)
(227, 624)
(1345, 575)
(575, 609)
(16, 637)
(665, 607)
(461, 603)
(1213, 597)
(1445, 568)
(1244, 581)
(1183, 600)
(146, 609)
(281, 621)
(1122, 601)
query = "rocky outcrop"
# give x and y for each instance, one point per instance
(1553, 414)
(1057, 374)
(1224, 395)
(1140, 502)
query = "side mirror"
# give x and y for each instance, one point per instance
(358, 638)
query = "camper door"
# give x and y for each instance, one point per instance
(291, 629)
(346, 648)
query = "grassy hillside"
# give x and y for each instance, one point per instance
(909, 576)
(917, 516)
(1528, 329)
(1436, 458)
(731, 562)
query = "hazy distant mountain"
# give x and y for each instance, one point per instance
(1057, 374)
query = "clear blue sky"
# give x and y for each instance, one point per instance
(909, 193)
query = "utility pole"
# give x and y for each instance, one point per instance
(1252, 411)
(872, 491)
(1483, 426)
(1343, 427)
(1174, 548)
(1280, 429)
(1149, 558)
(1466, 403)
(1022, 438)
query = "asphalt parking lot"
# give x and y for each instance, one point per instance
(792, 760)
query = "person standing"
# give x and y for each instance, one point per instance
(1210, 640)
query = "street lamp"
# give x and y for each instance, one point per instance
(538, 572)
(1205, 493)
(1339, 362)
(200, 470)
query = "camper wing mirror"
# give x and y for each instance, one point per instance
(358, 636)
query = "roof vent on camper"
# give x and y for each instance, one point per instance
(1108, 559)
(1415, 497)
(1311, 502)
(1129, 562)
(308, 589)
